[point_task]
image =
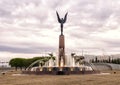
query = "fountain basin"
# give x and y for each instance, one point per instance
(59, 70)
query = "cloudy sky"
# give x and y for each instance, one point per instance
(30, 27)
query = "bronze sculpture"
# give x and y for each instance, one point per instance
(61, 21)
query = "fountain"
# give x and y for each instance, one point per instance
(77, 65)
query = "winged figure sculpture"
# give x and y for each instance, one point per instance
(61, 21)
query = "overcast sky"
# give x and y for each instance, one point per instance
(30, 27)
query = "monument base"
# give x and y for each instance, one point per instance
(60, 71)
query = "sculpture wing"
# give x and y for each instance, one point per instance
(65, 18)
(59, 20)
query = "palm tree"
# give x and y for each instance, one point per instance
(51, 56)
(79, 59)
(72, 54)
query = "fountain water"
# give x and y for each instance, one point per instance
(76, 65)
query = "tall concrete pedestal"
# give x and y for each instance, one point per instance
(61, 51)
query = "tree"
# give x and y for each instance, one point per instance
(96, 59)
(24, 63)
(109, 60)
(17, 63)
(52, 56)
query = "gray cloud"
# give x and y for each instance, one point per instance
(28, 26)
(112, 43)
(31, 50)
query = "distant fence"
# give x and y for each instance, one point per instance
(107, 66)
(6, 69)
